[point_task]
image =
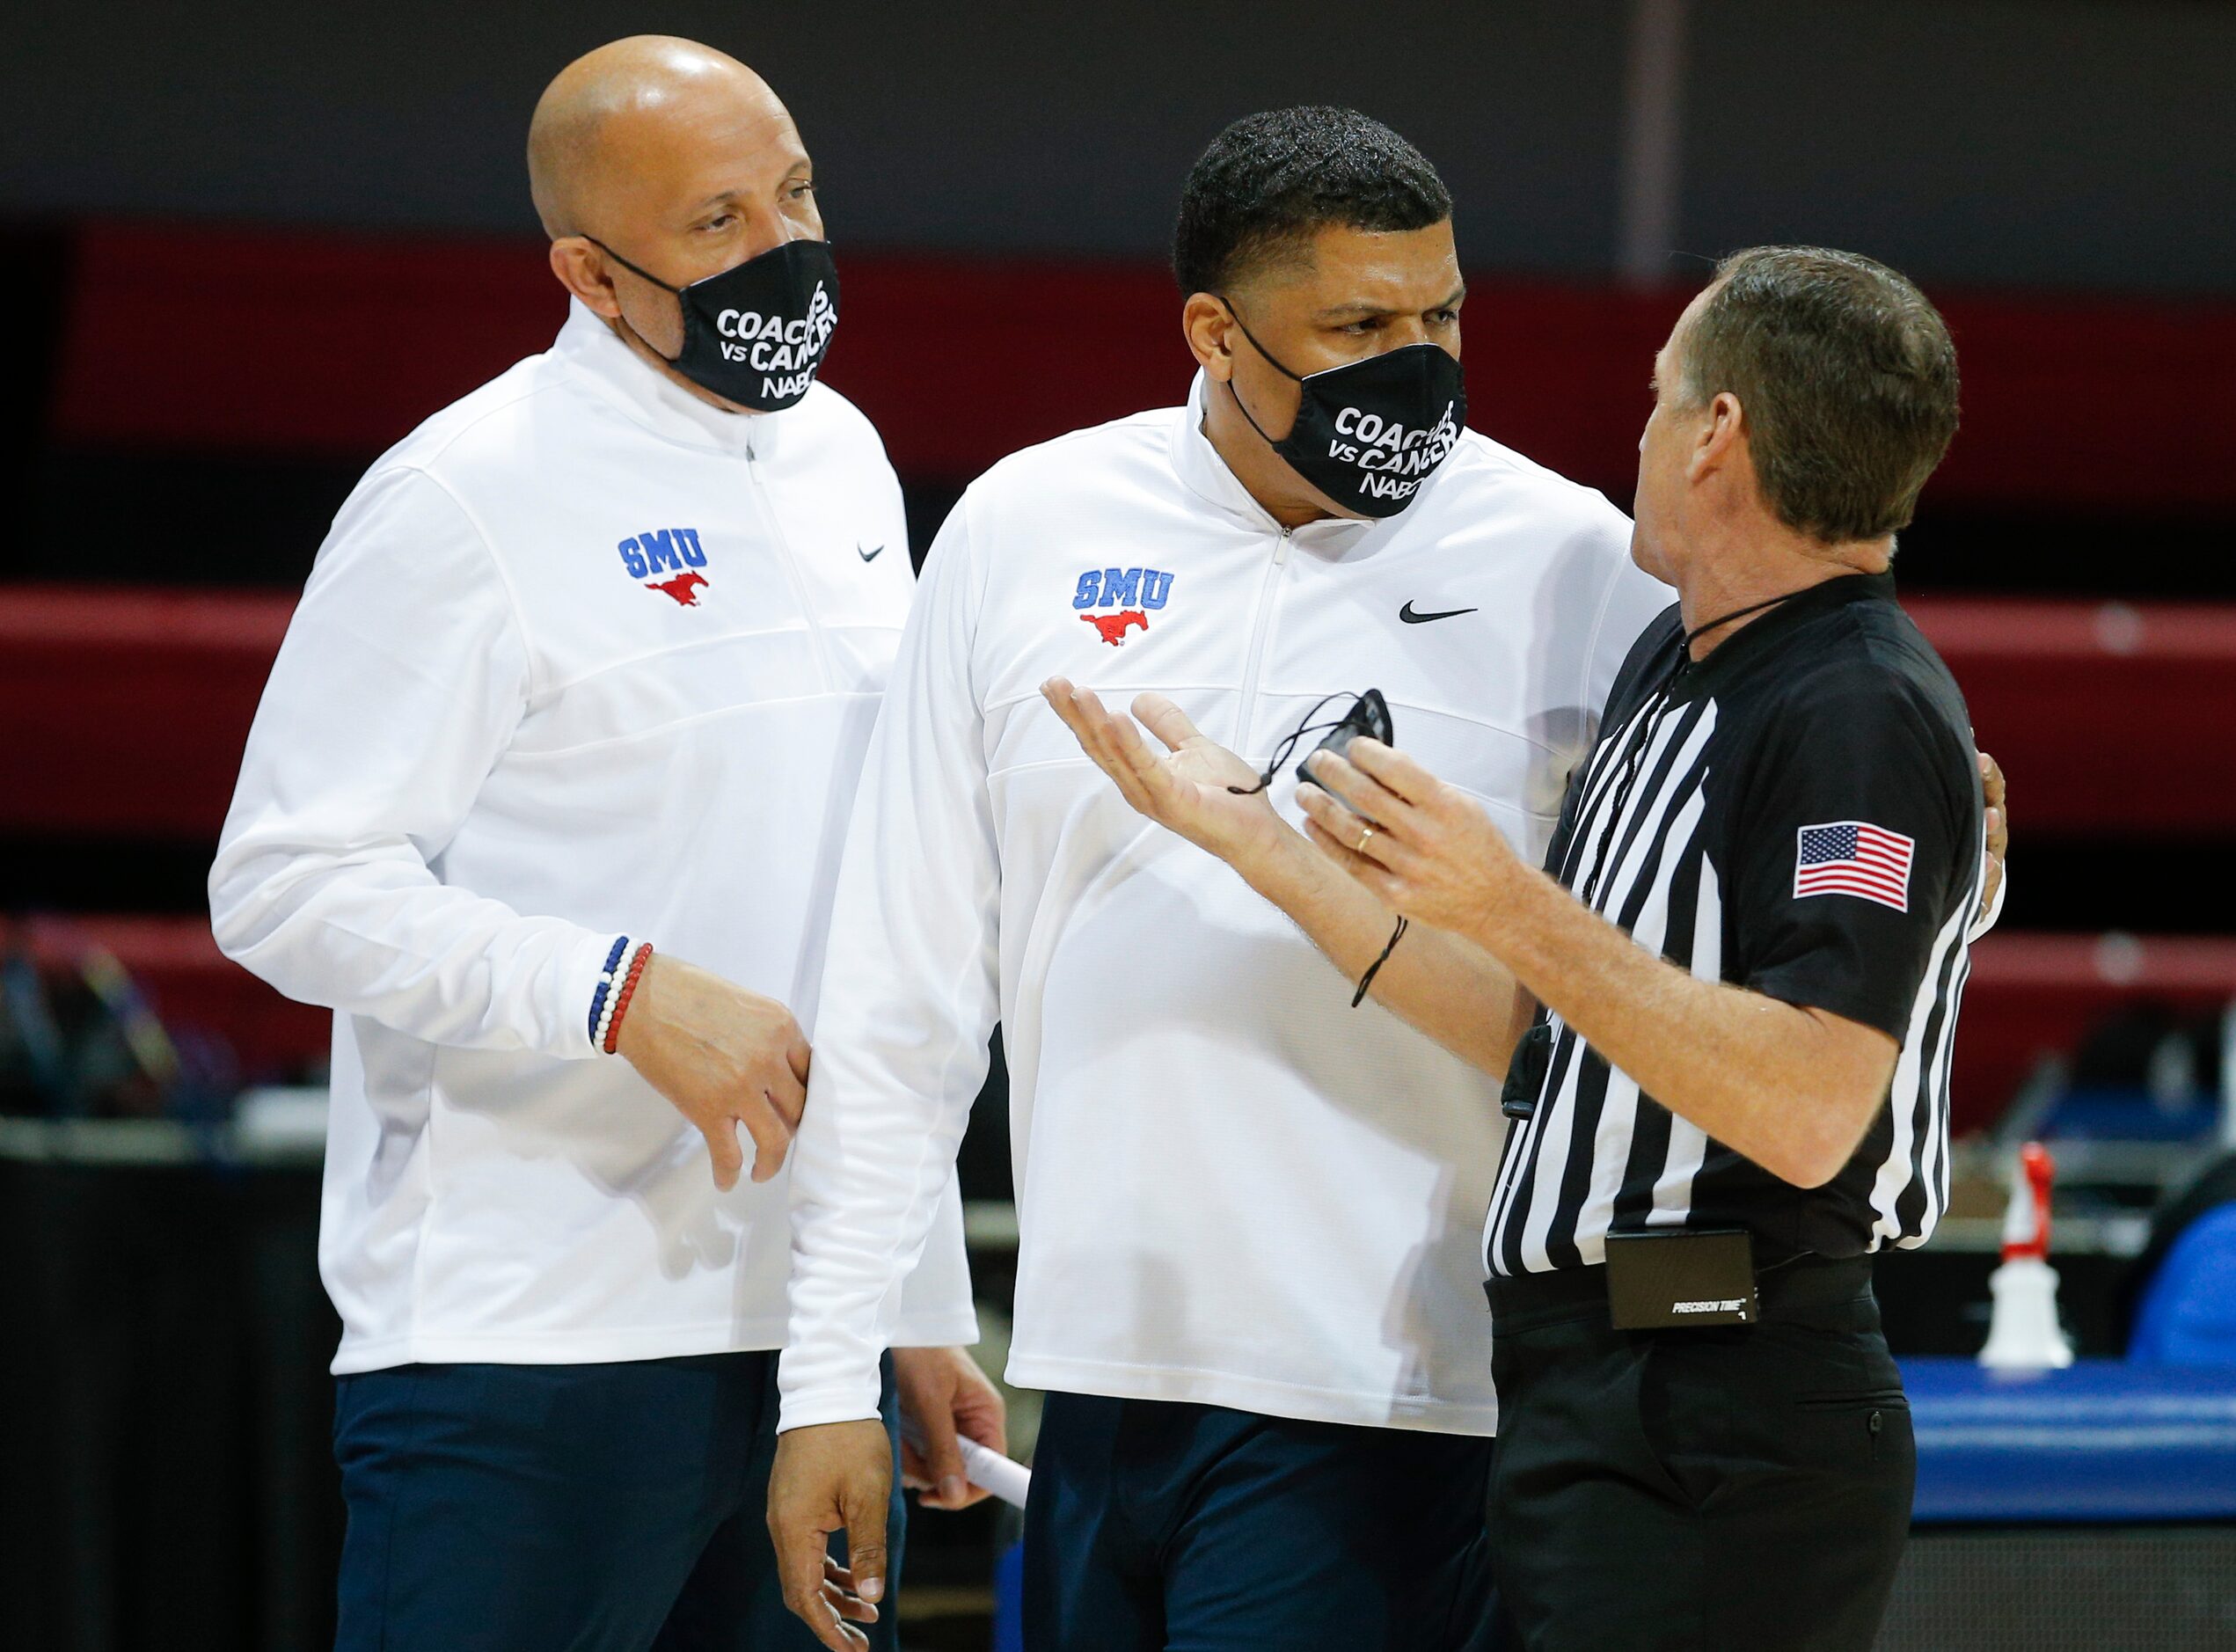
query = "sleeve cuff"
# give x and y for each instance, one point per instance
(935, 1330)
(1810, 986)
(577, 979)
(848, 1402)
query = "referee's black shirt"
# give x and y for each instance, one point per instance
(1799, 813)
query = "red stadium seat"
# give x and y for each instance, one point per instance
(2034, 995)
(124, 711)
(2030, 995)
(2112, 718)
(380, 331)
(190, 983)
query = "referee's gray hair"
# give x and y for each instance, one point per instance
(1846, 376)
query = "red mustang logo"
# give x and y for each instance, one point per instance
(684, 588)
(1112, 627)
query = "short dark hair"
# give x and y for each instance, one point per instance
(1271, 181)
(1845, 375)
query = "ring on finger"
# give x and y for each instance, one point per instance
(1360, 848)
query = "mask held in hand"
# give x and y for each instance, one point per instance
(1370, 432)
(755, 333)
(1369, 716)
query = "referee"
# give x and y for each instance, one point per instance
(1748, 954)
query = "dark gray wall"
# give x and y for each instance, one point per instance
(1983, 141)
(2062, 141)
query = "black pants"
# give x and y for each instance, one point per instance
(609, 1508)
(1699, 1489)
(1156, 1526)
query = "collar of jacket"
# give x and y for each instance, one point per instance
(616, 375)
(1200, 466)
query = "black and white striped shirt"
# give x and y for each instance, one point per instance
(1798, 814)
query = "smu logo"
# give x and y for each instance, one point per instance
(1135, 593)
(673, 550)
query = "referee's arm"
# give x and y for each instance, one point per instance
(1787, 1071)
(1794, 1089)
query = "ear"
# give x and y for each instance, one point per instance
(1208, 328)
(1718, 438)
(582, 269)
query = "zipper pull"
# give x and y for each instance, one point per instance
(1280, 549)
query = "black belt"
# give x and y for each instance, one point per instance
(1792, 1287)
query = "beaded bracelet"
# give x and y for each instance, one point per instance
(601, 1036)
(611, 1042)
(605, 988)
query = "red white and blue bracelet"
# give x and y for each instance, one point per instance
(610, 1002)
(616, 982)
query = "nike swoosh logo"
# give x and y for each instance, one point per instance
(1407, 614)
(866, 556)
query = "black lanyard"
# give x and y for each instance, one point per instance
(1684, 650)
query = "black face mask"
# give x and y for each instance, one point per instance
(755, 334)
(1368, 435)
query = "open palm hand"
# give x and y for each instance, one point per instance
(1187, 787)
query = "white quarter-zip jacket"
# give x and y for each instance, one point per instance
(1232, 1188)
(582, 657)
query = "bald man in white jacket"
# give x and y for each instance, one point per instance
(579, 690)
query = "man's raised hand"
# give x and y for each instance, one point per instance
(724, 1056)
(1186, 787)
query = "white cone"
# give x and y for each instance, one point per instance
(2023, 1332)
(2024, 1335)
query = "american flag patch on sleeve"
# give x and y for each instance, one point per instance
(1853, 857)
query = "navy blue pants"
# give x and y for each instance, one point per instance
(567, 1508)
(1156, 1526)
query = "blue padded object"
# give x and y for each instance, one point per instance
(2105, 1441)
(2188, 1316)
